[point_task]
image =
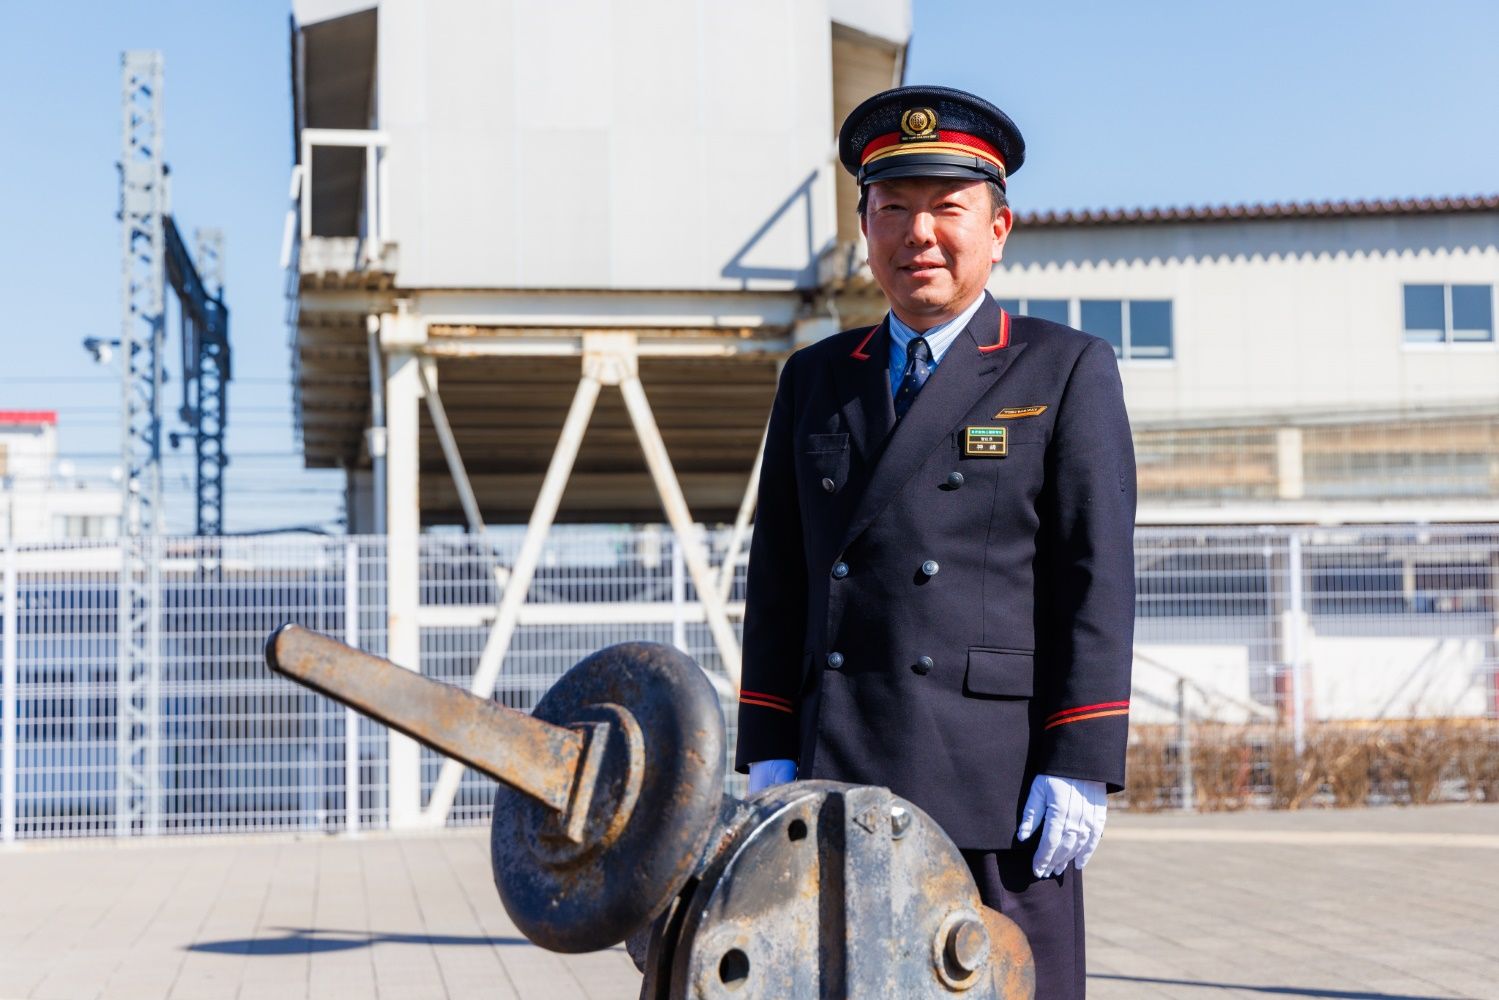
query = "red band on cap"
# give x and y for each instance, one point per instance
(891, 143)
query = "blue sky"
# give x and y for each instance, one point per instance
(1122, 105)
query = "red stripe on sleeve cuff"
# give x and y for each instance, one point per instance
(1087, 708)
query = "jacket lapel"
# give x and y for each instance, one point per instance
(863, 383)
(976, 359)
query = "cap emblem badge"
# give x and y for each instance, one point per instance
(917, 124)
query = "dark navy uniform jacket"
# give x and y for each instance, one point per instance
(950, 688)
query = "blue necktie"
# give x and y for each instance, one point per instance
(918, 369)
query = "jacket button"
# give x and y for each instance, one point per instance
(930, 567)
(835, 660)
(923, 665)
(840, 570)
(955, 479)
(829, 485)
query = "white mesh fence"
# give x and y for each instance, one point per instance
(1373, 626)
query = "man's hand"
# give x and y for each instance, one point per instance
(1073, 811)
(764, 773)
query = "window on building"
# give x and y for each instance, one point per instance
(1139, 329)
(1104, 318)
(1052, 309)
(84, 526)
(1449, 314)
(1149, 329)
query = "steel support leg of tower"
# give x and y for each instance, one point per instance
(519, 583)
(741, 525)
(449, 445)
(461, 482)
(608, 359)
(374, 436)
(688, 537)
(403, 520)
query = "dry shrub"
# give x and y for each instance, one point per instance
(1150, 776)
(1345, 760)
(1294, 781)
(1415, 758)
(1348, 763)
(1222, 765)
(1476, 759)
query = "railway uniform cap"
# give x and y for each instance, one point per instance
(929, 132)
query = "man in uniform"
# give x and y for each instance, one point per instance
(941, 582)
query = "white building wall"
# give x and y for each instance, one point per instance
(1217, 683)
(1277, 318)
(678, 144)
(1397, 677)
(38, 502)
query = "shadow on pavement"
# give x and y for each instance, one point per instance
(300, 941)
(1284, 991)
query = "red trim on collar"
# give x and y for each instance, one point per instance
(1004, 334)
(858, 352)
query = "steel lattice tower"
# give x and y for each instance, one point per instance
(143, 290)
(212, 387)
(205, 364)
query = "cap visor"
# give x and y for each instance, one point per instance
(929, 169)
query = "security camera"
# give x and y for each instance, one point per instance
(99, 348)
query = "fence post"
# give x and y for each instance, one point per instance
(9, 682)
(351, 717)
(154, 803)
(1184, 747)
(1294, 630)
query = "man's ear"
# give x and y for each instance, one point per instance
(864, 223)
(1004, 219)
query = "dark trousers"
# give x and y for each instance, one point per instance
(1049, 911)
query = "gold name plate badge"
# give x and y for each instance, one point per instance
(985, 442)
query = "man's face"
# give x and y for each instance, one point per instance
(932, 243)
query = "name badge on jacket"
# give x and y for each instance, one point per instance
(985, 442)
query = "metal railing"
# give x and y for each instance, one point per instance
(1264, 658)
(371, 215)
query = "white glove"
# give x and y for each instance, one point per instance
(764, 773)
(1073, 810)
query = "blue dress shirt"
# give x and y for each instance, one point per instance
(939, 338)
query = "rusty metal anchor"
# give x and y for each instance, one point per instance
(611, 823)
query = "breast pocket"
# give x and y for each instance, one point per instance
(825, 456)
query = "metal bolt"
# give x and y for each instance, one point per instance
(967, 945)
(930, 567)
(900, 821)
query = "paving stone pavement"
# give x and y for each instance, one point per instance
(1385, 904)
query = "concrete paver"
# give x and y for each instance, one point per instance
(1384, 904)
